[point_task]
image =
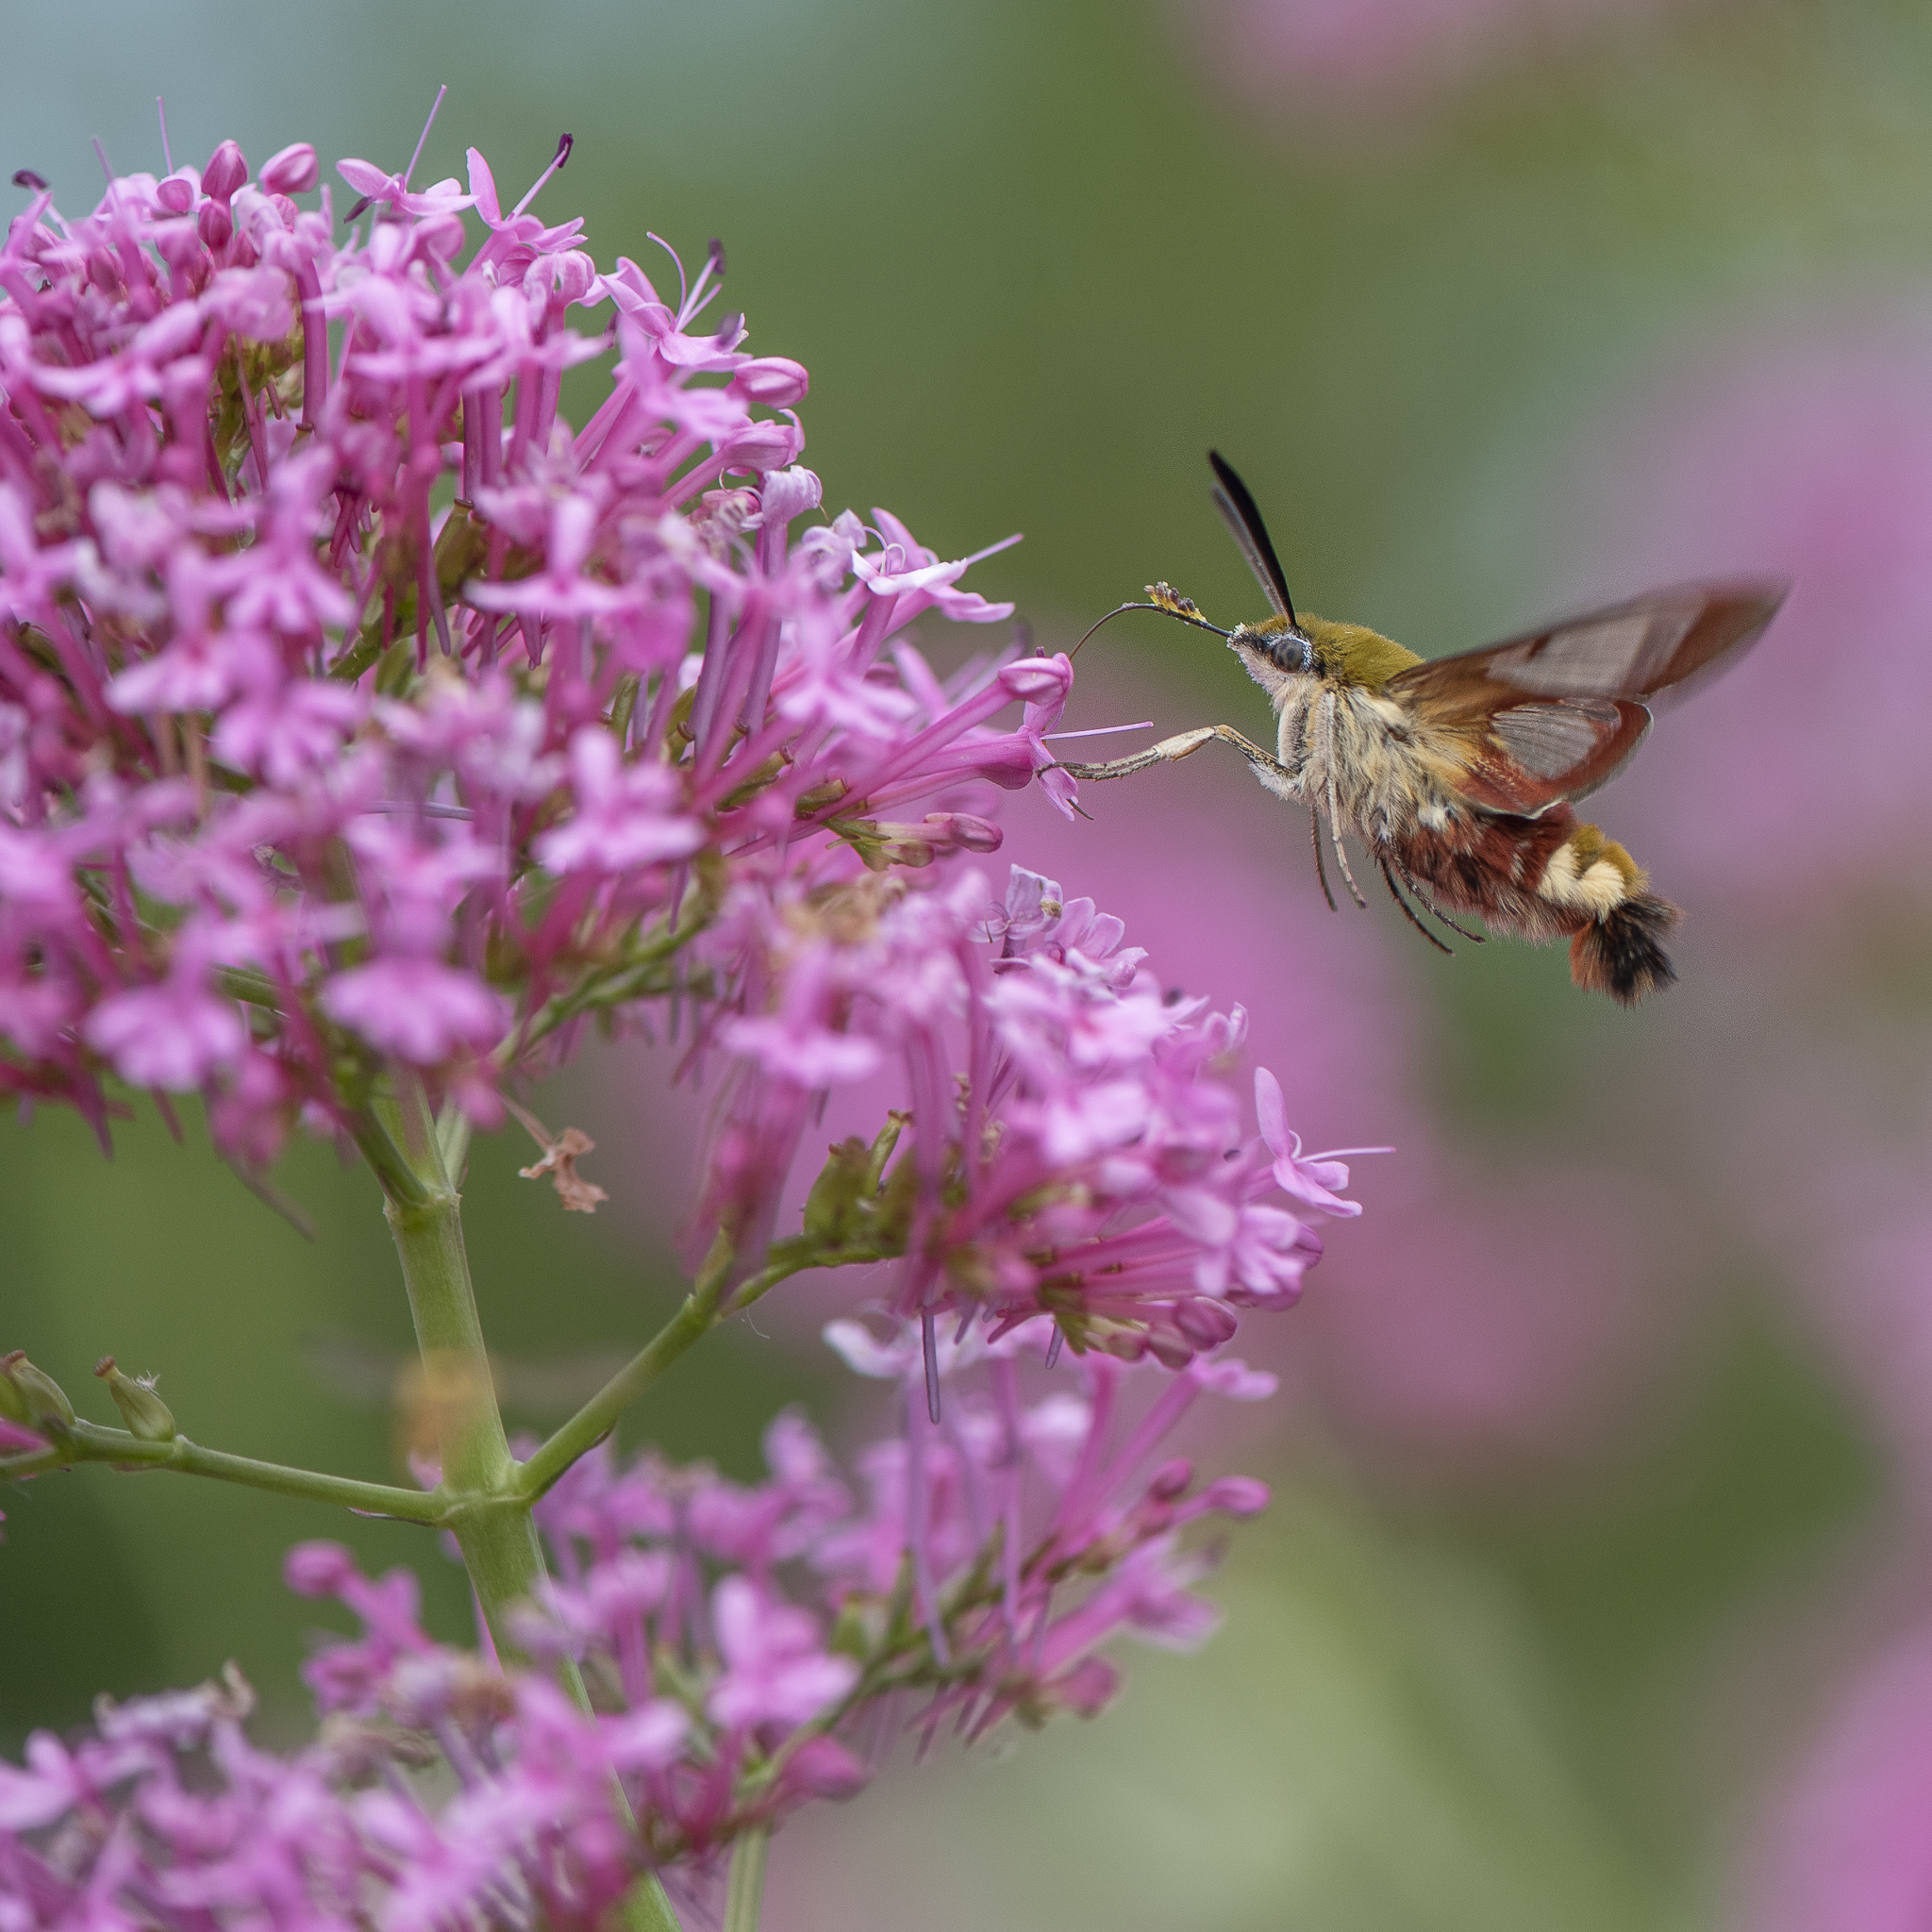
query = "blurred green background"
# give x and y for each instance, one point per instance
(1037, 256)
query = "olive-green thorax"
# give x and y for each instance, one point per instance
(1354, 654)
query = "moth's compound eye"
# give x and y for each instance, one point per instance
(1292, 649)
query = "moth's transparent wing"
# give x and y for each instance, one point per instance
(1554, 714)
(1565, 749)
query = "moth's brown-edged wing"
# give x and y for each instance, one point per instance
(1557, 712)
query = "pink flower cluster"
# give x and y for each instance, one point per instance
(745, 1650)
(1072, 1149)
(358, 713)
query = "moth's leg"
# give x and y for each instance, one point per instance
(1171, 750)
(1427, 896)
(1334, 815)
(1408, 910)
(1320, 870)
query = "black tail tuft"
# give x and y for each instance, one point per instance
(1621, 953)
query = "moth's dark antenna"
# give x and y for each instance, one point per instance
(1236, 506)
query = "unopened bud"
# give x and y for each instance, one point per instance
(775, 380)
(961, 830)
(178, 192)
(292, 171)
(227, 168)
(214, 225)
(147, 1415)
(44, 1399)
(763, 445)
(1170, 1479)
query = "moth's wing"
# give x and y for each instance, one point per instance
(1551, 749)
(1555, 713)
(1243, 519)
(1631, 650)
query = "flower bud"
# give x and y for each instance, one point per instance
(147, 1415)
(1236, 1495)
(214, 225)
(291, 171)
(1170, 1479)
(43, 1398)
(180, 191)
(1037, 679)
(764, 446)
(1205, 1323)
(960, 829)
(775, 380)
(227, 168)
(824, 1767)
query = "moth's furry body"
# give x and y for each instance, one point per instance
(1459, 775)
(1402, 784)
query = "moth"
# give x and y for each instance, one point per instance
(1459, 775)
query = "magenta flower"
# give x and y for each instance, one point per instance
(775, 1671)
(421, 1010)
(1308, 1178)
(471, 705)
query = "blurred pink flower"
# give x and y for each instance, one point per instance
(1333, 58)
(1847, 1846)
(1805, 451)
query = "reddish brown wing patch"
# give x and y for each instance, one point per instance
(1534, 753)
(1554, 713)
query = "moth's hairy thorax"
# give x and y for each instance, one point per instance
(1391, 771)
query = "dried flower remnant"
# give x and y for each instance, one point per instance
(561, 1153)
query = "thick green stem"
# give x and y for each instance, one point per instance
(483, 1497)
(490, 1520)
(744, 1891)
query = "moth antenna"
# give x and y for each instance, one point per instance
(1408, 912)
(1320, 870)
(1239, 510)
(1199, 621)
(1428, 900)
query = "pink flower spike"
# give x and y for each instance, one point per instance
(1309, 1178)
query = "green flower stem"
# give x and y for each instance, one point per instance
(82, 1441)
(702, 1309)
(477, 1495)
(744, 1891)
(697, 1314)
(645, 1907)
